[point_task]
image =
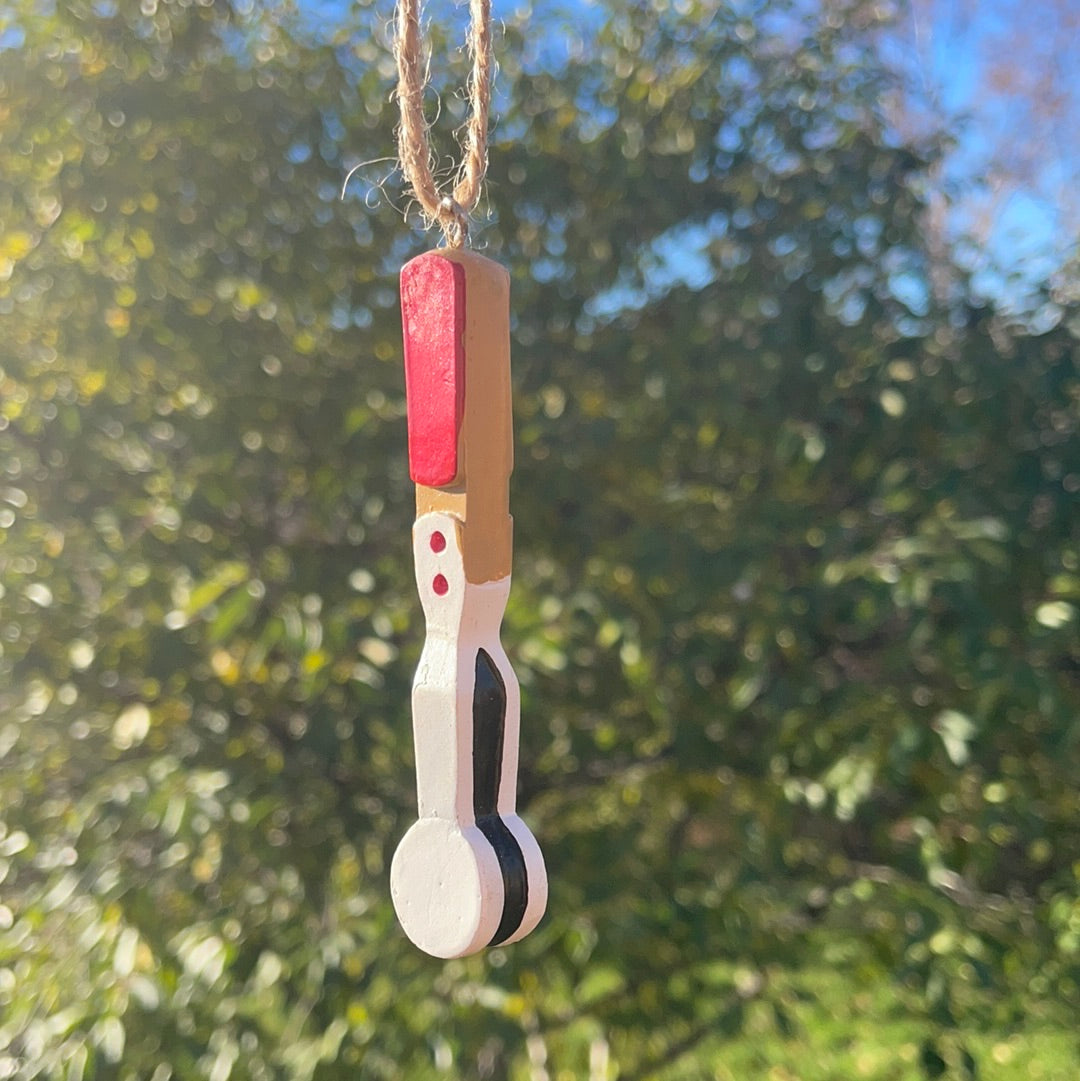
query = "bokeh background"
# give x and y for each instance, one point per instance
(797, 564)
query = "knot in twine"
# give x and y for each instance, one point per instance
(452, 210)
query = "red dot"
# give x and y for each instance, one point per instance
(440, 585)
(438, 541)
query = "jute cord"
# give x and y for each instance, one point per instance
(451, 210)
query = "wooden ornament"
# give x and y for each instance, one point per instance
(469, 873)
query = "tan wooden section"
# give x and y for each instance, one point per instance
(480, 495)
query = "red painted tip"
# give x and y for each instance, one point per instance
(433, 322)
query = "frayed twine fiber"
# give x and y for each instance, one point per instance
(450, 211)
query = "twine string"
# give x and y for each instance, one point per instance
(451, 210)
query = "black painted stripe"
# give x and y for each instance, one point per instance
(514, 876)
(489, 735)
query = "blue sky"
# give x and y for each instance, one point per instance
(1002, 75)
(952, 52)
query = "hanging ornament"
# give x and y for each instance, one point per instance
(468, 873)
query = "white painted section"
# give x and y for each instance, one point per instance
(447, 887)
(445, 878)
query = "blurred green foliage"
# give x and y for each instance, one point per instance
(796, 576)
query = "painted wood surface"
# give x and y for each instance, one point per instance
(480, 493)
(469, 873)
(433, 315)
